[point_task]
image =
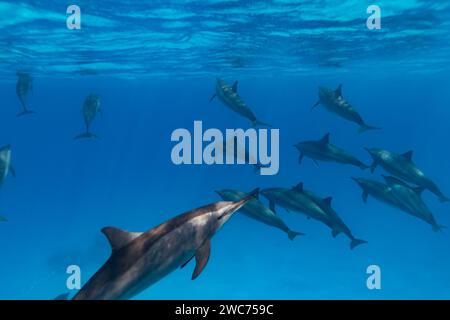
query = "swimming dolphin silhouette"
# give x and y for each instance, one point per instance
(5, 163)
(23, 86)
(323, 150)
(91, 108)
(334, 102)
(139, 260)
(230, 97)
(402, 166)
(255, 209)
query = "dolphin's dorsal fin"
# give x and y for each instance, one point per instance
(325, 139)
(201, 258)
(119, 238)
(328, 200)
(408, 155)
(339, 91)
(299, 187)
(393, 180)
(234, 88)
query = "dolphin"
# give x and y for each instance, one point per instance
(409, 200)
(139, 260)
(323, 150)
(229, 96)
(296, 200)
(239, 152)
(23, 86)
(399, 195)
(5, 163)
(91, 108)
(338, 225)
(334, 102)
(257, 210)
(402, 166)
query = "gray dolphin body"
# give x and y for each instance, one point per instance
(398, 194)
(91, 108)
(402, 166)
(139, 260)
(230, 97)
(23, 86)
(299, 201)
(257, 210)
(323, 150)
(5, 163)
(334, 102)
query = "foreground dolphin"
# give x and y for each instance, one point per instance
(398, 194)
(91, 108)
(334, 102)
(323, 150)
(139, 260)
(23, 86)
(402, 166)
(5, 163)
(229, 96)
(257, 210)
(297, 200)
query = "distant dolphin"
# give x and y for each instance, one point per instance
(257, 210)
(323, 150)
(402, 166)
(334, 102)
(229, 96)
(5, 163)
(239, 152)
(139, 260)
(23, 86)
(298, 201)
(91, 108)
(399, 195)
(338, 224)
(3, 219)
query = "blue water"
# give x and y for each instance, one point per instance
(154, 65)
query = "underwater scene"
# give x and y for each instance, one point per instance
(219, 149)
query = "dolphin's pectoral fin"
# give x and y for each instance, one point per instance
(185, 264)
(373, 167)
(12, 170)
(408, 155)
(364, 196)
(119, 238)
(419, 190)
(325, 140)
(201, 258)
(328, 200)
(212, 98)
(234, 88)
(300, 158)
(335, 232)
(315, 105)
(272, 206)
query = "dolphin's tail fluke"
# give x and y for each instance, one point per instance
(356, 242)
(258, 123)
(293, 234)
(366, 127)
(86, 135)
(438, 228)
(25, 112)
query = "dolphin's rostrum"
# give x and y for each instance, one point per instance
(138, 260)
